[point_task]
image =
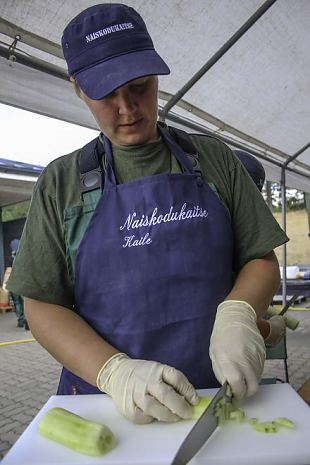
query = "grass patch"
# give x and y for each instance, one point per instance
(297, 228)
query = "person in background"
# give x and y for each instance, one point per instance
(130, 286)
(272, 329)
(17, 300)
(253, 166)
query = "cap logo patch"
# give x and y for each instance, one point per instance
(108, 30)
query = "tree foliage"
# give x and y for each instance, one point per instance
(14, 212)
(295, 199)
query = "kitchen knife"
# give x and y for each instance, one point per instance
(202, 429)
(288, 304)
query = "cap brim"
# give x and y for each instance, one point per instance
(103, 78)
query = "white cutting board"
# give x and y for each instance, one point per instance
(157, 443)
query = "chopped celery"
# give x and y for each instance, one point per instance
(225, 410)
(281, 421)
(237, 415)
(266, 427)
(203, 403)
(252, 421)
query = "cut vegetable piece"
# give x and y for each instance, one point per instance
(198, 409)
(237, 415)
(266, 427)
(229, 391)
(71, 430)
(281, 421)
(224, 409)
(291, 322)
(252, 421)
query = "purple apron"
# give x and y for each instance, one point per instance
(154, 263)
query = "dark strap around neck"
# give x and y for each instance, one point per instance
(90, 164)
(182, 138)
(90, 161)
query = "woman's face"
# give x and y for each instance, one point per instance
(128, 116)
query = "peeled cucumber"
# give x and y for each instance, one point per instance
(290, 321)
(77, 433)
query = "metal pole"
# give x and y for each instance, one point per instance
(29, 38)
(242, 30)
(283, 196)
(283, 210)
(293, 157)
(200, 129)
(269, 194)
(2, 261)
(307, 202)
(34, 63)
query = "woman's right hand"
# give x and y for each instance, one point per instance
(145, 390)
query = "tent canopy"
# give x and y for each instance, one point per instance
(17, 180)
(239, 70)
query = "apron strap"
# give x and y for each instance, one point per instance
(90, 164)
(183, 140)
(110, 174)
(90, 161)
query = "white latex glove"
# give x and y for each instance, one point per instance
(144, 390)
(277, 330)
(237, 349)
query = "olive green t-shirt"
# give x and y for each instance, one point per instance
(41, 269)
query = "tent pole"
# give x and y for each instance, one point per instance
(269, 194)
(283, 210)
(230, 42)
(283, 197)
(2, 261)
(307, 202)
(173, 118)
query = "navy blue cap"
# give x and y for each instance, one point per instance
(108, 45)
(253, 166)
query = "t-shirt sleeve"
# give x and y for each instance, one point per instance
(256, 232)
(40, 269)
(254, 228)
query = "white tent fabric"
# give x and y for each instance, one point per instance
(256, 95)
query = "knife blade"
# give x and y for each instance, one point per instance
(202, 430)
(288, 304)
